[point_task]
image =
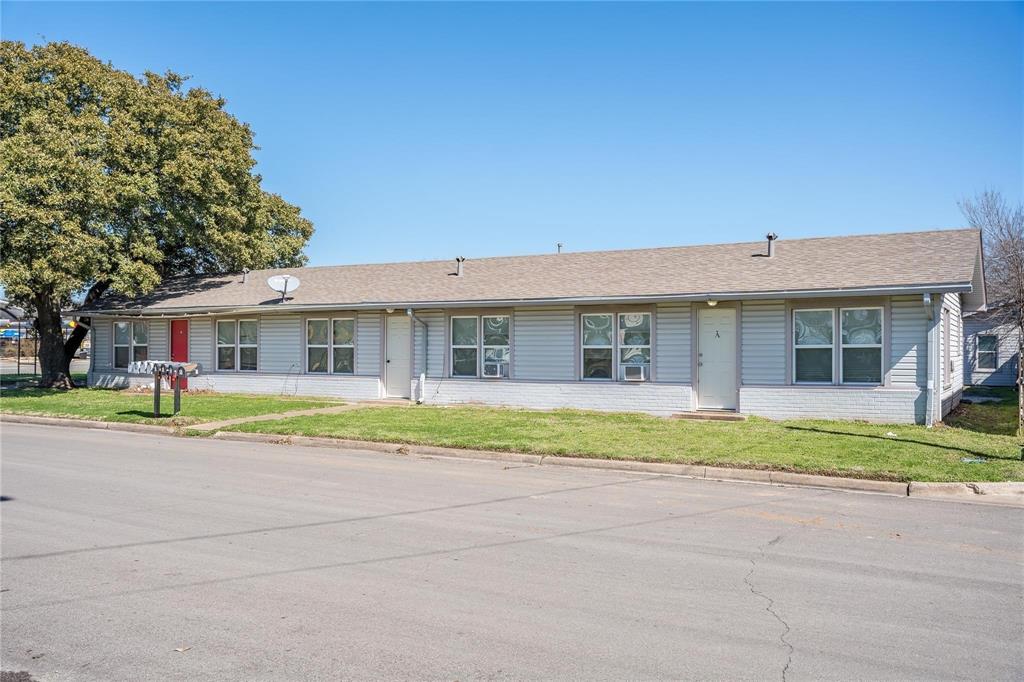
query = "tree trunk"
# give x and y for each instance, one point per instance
(53, 365)
(56, 354)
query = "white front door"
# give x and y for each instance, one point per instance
(716, 359)
(397, 369)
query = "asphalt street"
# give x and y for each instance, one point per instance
(137, 557)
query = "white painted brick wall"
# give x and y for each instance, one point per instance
(659, 399)
(883, 405)
(347, 387)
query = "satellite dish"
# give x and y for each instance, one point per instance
(283, 284)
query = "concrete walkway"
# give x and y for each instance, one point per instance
(274, 416)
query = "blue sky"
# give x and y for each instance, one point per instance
(414, 131)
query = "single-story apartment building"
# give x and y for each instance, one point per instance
(860, 327)
(991, 348)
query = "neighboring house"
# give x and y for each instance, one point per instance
(864, 327)
(991, 349)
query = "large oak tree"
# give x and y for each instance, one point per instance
(110, 183)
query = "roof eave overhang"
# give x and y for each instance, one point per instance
(900, 290)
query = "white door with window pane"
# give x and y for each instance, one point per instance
(397, 364)
(716, 359)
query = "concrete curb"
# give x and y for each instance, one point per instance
(88, 424)
(697, 471)
(391, 448)
(1011, 494)
(1008, 494)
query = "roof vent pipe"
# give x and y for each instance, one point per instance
(245, 273)
(559, 246)
(458, 266)
(771, 243)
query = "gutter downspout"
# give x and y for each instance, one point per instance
(422, 387)
(932, 362)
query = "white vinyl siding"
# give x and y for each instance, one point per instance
(159, 337)
(545, 344)
(102, 341)
(763, 342)
(672, 344)
(908, 352)
(955, 365)
(953, 383)
(368, 343)
(281, 340)
(200, 343)
(434, 344)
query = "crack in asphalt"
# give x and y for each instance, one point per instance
(770, 603)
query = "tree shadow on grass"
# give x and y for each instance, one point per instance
(890, 439)
(146, 414)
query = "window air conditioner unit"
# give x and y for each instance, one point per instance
(495, 370)
(634, 373)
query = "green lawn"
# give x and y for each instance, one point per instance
(129, 406)
(893, 452)
(998, 417)
(30, 379)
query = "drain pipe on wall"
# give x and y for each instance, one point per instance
(931, 359)
(422, 387)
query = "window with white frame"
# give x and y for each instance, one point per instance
(131, 343)
(496, 347)
(597, 341)
(343, 345)
(464, 346)
(480, 346)
(813, 342)
(248, 335)
(987, 351)
(237, 345)
(331, 345)
(634, 346)
(226, 345)
(318, 347)
(615, 346)
(861, 345)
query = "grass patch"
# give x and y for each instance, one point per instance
(12, 379)
(989, 417)
(129, 406)
(888, 452)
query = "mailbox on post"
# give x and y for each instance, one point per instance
(170, 370)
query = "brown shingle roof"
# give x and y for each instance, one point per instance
(889, 261)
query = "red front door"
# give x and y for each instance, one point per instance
(179, 344)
